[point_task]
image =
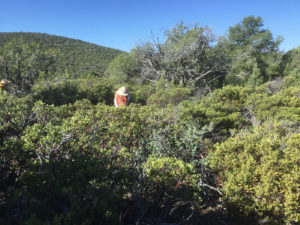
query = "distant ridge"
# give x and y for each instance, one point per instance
(74, 56)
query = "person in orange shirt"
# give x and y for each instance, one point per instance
(122, 97)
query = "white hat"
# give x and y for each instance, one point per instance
(5, 81)
(123, 91)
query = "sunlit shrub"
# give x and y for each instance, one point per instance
(284, 105)
(224, 109)
(173, 177)
(260, 171)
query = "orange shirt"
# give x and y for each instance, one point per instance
(121, 100)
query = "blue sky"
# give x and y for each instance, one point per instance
(123, 24)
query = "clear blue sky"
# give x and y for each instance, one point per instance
(121, 24)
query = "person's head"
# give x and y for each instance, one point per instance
(123, 91)
(4, 82)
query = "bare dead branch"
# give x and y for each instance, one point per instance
(66, 138)
(201, 184)
(154, 81)
(94, 132)
(202, 75)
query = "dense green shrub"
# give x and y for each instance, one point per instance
(142, 130)
(260, 171)
(123, 68)
(284, 105)
(292, 59)
(137, 154)
(70, 146)
(77, 190)
(175, 178)
(13, 113)
(15, 116)
(172, 96)
(293, 79)
(140, 93)
(68, 91)
(224, 109)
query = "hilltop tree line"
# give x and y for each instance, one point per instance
(211, 135)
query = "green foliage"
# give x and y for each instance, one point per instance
(250, 32)
(93, 128)
(67, 156)
(15, 115)
(225, 109)
(169, 95)
(73, 56)
(79, 153)
(140, 93)
(78, 190)
(173, 176)
(293, 79)
(186, 57)
(59, 92)
(259, 171)
(292, 59)
(123, 68)
(23, 62)
(255, 79)
(253, 52)
(283, 105)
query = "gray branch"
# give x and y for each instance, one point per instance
(66, 138)
(201, 184)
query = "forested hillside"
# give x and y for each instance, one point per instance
(211, 135)
(71, 56)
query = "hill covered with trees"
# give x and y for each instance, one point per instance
(71, 56)
(212, 134)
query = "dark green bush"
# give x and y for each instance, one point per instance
(77, 190)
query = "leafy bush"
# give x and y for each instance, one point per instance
(293, 79)
(78, 190)
(82, 136)
(173, 178)
(15, 115)
(140, 93)
(123, 68)
(68, 91)
(172, 96)
(284, 105)
(224, 110)
(260, 171)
